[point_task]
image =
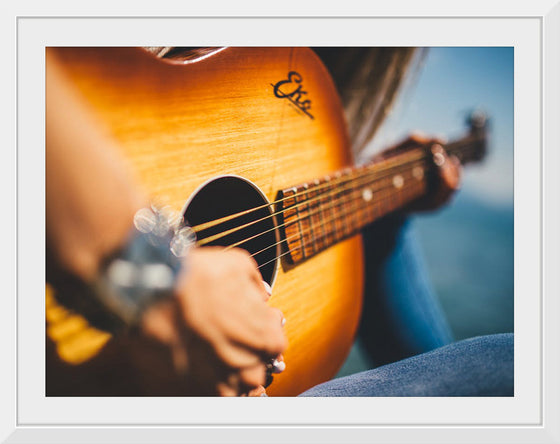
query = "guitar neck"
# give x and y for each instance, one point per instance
(327, 210)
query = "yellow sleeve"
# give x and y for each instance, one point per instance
(76, 340)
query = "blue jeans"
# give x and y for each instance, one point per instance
(406, 335)
(401, 316)
(481, 366)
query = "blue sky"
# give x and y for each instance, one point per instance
(451, 82)
(468, 246)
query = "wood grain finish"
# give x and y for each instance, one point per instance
(182, 124)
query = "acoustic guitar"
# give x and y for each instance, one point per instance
(250, 144)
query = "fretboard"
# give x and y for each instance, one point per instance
(327, 210)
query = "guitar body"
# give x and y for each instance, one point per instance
(182, 124)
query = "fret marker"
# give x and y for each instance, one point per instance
(367, 194)
(418, 173)
(398, 181)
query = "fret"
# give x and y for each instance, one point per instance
(354, 204)
(326, 211)
(342, 201)
(336, 203)
(398, 182)
(302, 208)
(292, 227)
(347, 217)
(319, 215)
(310, 218)
(385, 204)
(331, 206)
(361, 202)
(300, 224)
(368, 197)
(365, 202)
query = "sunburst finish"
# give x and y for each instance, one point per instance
(181, 124)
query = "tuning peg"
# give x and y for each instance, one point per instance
(478, 121)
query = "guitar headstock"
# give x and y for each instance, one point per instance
(473, 146)
(478, 127)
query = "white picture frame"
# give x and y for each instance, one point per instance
(531, 416)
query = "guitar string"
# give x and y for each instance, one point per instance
(360, 180)
(300, 235)
(323, 235)
(316, 210)
(465, 146)
(303, 246)
(369, 180)
(353, 183)
(361, 172)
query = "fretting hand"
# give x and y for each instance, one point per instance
(448, 170)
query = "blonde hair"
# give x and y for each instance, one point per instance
(368, 80)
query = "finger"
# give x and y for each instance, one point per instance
(256, 289)
(247, 382)
(277, 316)
(258, 327)
(245, 263)
(248, 262)
(439, 139)
(257, 278)
(228, 348)
(417, 137)
(233, 385)
(267, 288)
(253, 376)
(455, 160)
(238, 355)
(259, 391)
(276, 339)
(448, 175)
(450, 172)
(158, 321)
(240, 350)
(224, 389)
(457, 168)
(269, 343)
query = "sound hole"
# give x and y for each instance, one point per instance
(229, 195)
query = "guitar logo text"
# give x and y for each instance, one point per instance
(292, 89)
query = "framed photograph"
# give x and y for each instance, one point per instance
(521, 46)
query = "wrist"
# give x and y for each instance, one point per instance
(79, 242)
(142, 270)
(146, 268)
